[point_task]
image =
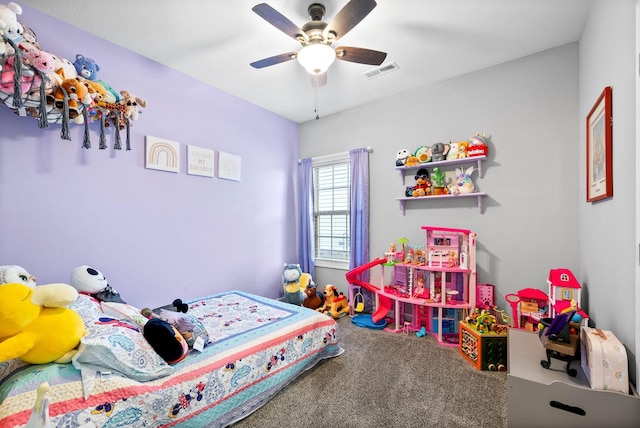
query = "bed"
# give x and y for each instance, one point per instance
(257, 347)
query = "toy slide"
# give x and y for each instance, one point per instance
(384, 303)
(384, 306)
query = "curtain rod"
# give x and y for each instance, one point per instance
(320, 158)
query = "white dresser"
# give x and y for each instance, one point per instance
(539, 397)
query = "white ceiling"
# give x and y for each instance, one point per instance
(430, 40)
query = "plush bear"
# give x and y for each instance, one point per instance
(86, 67)
(293, 291)
(9, 25)
(88, 280)
(35, 325)
(14, 274)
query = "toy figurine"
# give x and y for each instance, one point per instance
(437, 176)
(402, 156)
(423, 185)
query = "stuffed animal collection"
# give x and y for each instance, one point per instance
(474, 146)
(41, 84)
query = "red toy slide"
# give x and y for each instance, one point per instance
(384, 303)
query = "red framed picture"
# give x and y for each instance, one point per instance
(599, 149)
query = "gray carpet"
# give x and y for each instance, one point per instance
(388, 380)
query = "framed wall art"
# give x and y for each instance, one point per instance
(200, 161)
(163, 155)
(229, 166)
(599, 149)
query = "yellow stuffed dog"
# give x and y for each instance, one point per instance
(35, 325)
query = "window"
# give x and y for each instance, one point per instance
(331, 216)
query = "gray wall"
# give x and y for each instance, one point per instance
(536, 217)
(608, 257)
(528, 107)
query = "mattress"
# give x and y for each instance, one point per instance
(257, 347)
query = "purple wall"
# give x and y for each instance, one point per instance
(156, 235)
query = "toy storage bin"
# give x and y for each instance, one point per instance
(551, 398)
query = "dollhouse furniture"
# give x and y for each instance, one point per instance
(257, 347)
(551, 398)
(533, 307)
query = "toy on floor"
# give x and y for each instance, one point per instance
(313, 298)
(28, 317)
(335, 304)
(291, 284)
(91, 281)
(14, 274)
(358, 301)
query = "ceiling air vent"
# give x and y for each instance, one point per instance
(383, 69)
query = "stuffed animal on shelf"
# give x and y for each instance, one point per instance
(402, 156)
(86, 67)
(464, 184)
(423, 155)
(35, 325)
(14, 274)
(439, 152)
(88, 280)
(293, 291)
(423, 184)
(335, 304)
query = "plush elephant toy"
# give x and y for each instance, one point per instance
(439, 152)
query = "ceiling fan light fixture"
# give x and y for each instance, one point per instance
(316, 58)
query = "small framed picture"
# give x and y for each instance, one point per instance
(599, 149)
(161, 154)
(229, 166)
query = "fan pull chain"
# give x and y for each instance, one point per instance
(316, 100)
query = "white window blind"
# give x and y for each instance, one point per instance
(331, 211)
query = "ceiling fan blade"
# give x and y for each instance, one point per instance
(266, 62)
(360, 55)
(279, 21)
(348, 17)
(318, 80)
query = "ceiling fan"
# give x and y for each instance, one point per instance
(317, 36)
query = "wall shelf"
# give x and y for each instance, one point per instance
(478, 195)
(474, 159)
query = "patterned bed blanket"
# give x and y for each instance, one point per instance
(257, 347)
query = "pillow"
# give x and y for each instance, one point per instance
(124, 311)
(188, 325)
(118, 346)
(88, 308)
